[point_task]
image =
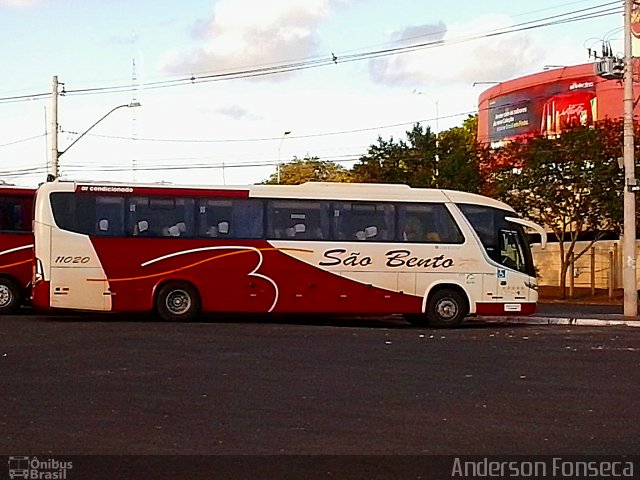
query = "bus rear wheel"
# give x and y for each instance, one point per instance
(177, 301)
(9, 296)
(446, 308)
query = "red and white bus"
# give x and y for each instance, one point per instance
(435, 256)
(16, 246)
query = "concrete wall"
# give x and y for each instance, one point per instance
(608, 264)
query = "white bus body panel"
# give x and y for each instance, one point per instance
(78, 279)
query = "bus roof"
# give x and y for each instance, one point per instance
(308, 190)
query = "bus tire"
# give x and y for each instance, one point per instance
(10, 296)
(446, 308)
(177, 302)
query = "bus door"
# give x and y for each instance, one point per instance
(513, 274)
(77, 278)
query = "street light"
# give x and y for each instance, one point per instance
(59, 153)
(279, 147)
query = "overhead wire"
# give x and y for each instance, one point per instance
(23, 140)
(577, 15)
(598, 11)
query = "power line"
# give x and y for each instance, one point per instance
(567, 17)
(23, 140)
(313, 135)
(583, 14)
(200, 166)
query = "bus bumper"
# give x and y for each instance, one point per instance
(503, 309)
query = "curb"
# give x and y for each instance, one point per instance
(572, 321)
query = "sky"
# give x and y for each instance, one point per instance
(220, 82)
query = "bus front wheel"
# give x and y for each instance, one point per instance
(446, 308)
(177, 302)
(9, 296)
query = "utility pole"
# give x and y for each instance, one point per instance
(54, 130)
(629, 241)
(55, 154)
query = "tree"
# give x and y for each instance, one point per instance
(448, 160)
(381, 164)
(571, 184)
(412, 162)
(458, 166)
(309, 169)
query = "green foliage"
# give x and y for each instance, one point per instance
(569, 183)
(309, 169)
(458, 167)
(448, 160)
(412, 162)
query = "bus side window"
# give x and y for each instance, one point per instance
(214, 218)
(13, 215)
(360, 221)
(297, 219)
(413, 230)
(428, 223)
(3, 222)
(247, 219)
(109, 215)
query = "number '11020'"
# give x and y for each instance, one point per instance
(70, 259)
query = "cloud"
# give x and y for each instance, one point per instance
(237, 112)
(250, 33)
(20, 3)
(488, 59)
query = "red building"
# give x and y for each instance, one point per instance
(547, 102)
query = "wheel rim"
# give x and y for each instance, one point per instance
(178, 302)
(447, 308)
(5, 296)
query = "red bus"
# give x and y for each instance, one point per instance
(436, 256)
(16, 246)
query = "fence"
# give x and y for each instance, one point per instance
(600, 267)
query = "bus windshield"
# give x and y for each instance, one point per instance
(504, 241)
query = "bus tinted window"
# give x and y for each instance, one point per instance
(109, 216)
(359, 221)
(298, 219)
(160, 217)
(221, 218)
(248, 217)
(88, 214)
(430, 223)
(15, 214)
(63, 205)
(484, 221)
